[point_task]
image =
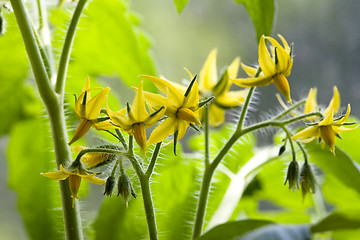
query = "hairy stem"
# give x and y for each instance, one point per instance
(65, 54)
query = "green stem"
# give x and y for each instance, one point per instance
(121, 138)
(288, 135)
(207, 136)
(65, 54)
(298, 104)
(55, 110)
(244, 109)
(154, 156)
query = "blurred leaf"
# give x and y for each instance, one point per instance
(232, 230)
(13, 70)
(340, 166)
(279, 232)
(37, 197)
(108, 42)
(343, 219)
(180, 4)
(262, 14)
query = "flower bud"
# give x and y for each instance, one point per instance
(307, 180)
(282, 150)
(125, 188)
(109, 186)
(293, 175)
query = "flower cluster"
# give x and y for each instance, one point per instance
(180, 107)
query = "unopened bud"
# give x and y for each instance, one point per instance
(282, 150)
(109, 186)
(125, 188)
(293, 175)
(307, 180)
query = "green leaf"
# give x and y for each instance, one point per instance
(180, 4)
(13, 71)
(38, 197)
(232, 230)
(338, 220)
(262, 14)
(108, 43)
(341, 165)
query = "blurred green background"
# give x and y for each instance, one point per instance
(327, 52)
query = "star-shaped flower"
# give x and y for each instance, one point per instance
(135, 119)
(75, 173)
(210, 86)
(88, 110)
(275, 66)
(181, 108)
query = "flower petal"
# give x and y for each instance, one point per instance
(253, 82)
(138, 108)
(282, 85)
(165, 86)
(282, 55)
(93, 107)
(232, 98)
(216, 115)
(59, 175)
(154, 117)
(250, 71)
(208, 73)
(165, 129)
(342, 120)
(334, 103)
(311, 132)
(328, 120)
(311, 102)
(191, 101)
(183, 126)
(93, 179)
(81, 130)
(266, 63)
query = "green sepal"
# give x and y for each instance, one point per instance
(195, 127)
(221, 85)
(202, 103)
(190, 86)
(175, 141)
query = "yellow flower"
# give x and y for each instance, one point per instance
(74, 176)
(210, 86)
(327, 130)
(135, 119)
(312, 106)
(94, 159)
(275, 67)
(181, 108)
(88, 110)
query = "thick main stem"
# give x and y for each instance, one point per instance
(54, 106)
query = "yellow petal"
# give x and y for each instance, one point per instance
(188, 115)
(225, 83)
(253, 82)
(93, 179)
(250, 71)
(311, 132)
(282, 55)
(342, 120)
(216, 115)
(208, 73)
(138, 108)
(328, 135)
(328, 120)
(87, 84)
(340, 129)
(93, 107)
(105, 125)
(80, 107)
(74, 182)
(165, 86)
(232, 98)
(59, 175)
(334, 103)
(192, 100)
(233, 69)
(165, 129)
(140, 135)
(81, 130)
(282, 85)
(183, 126)
(285, 43)
(265, 61)
(311, 102)
(119, 118)
(154, 117)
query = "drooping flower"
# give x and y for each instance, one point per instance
(88, 110)
(75, 173)
(95, 159)
(210, 86)
(135, 119)
(327, 130)
(275, 67)
(181, 108)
